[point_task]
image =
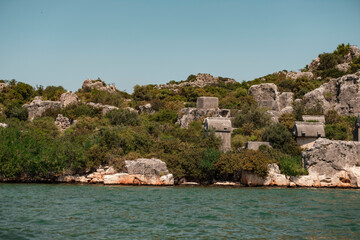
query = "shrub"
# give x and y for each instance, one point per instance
(328, 61)
(74, 111)
(288, 120)
(164, 116)
(281, 138)
(337, 131)
(53, 93)
(252, 115)
(332, 117)
(15, 110)
(123, 117)
(292, 166)
(255, 161)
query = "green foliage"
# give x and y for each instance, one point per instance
(342, 49)
(22, 91)
(337, 131)
(164, 116)
(288, 120)
(74, 111)
(332, 117)
(328, 61)
(123, 117)
(281, 138)
(52, 93)
(292, 166)
(252, 115)
(15, 110)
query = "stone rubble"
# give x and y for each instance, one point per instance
(62, 122)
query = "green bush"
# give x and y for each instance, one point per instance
(123, 117)
(15, 110)
(337, 131)
(281, 138)
(164, 116)
(292, 166)
(74, 111)
(252, 115)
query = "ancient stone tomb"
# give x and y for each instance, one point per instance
(223, 129)
(306, 133)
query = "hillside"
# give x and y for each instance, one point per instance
(101, 125)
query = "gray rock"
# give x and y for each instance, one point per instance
(105, 108)
(343, 67)
(2, 87)
(99, 85)
(37, 107)
(3, 125)
(147, 108)
(188, 115)
(62, 122)
(68, 98)
(296, 75)
(274, 178)
(331, 164)
(314, 64)
(353, 53)
(341, 94)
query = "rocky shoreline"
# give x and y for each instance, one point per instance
(331, 164)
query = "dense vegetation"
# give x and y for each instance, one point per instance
(34, 150)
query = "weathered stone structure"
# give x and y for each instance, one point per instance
(341, 94)
(357, 129)
(207, 102)
(223, 130)
(206, 107)
(314, 118)
(37, 107)
(255, 145)
(268, 96)
(306, 133)
(62, 122)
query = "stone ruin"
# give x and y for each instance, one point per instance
(223, 130)
(37, 107)
(357, 129)
(205, 107)
(314, 118)
(62, 122)
(306, 133)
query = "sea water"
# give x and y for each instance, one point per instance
(61, 211)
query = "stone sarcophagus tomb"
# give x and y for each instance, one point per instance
(207, 102)
(306, 133)
(222, 128)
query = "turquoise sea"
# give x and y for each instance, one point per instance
(60, 211)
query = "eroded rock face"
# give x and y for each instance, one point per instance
(147, 108)
(296, 75)
(331, 164)
(68, 98)
(314, 64)
(202, 80)
(37, 107)
(353, 53)
(99, 85)
(137, 172)
(268, 96)
(341, 94)
(62, 122)
(274, 178)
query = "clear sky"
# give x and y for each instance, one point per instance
(128, 42)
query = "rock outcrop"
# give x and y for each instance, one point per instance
(68, 98)
(99, 85)
(202, 80)
(2, 87)
(353, 53)
(37, 107)
(314, 64)
(274, 178)
(137, 172)
(268, 96)
(341, 94)
(62, 122)
(3, 125)
(147, 108)
(296, 75)
(142, 172)
(104, 108)
(331, 164)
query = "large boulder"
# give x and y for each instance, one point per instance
(341, 94)
(68, 98)
(99, 85)
(331, 164)
(142, 172)
(37, 107)
(188, 115)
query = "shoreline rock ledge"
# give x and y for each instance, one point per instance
(136, 172)
(142, 172)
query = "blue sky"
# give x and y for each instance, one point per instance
(129, 42)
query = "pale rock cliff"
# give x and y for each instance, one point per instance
(341, 94)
